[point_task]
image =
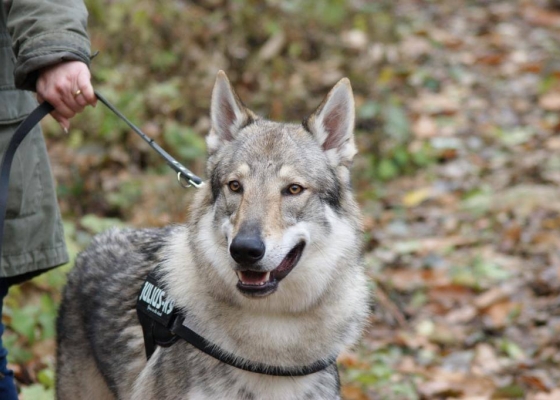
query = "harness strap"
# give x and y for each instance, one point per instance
(216, 352)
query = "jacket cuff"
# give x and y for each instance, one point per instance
(45, 50)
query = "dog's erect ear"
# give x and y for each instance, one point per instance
(332, 124)
(227, 113)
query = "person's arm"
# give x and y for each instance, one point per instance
(52, 51)
(45, 33)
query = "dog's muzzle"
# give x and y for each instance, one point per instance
(256, 283)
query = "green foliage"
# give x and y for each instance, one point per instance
(95, 224)
(34, 322)
(18, 353)
(380, 375)
(511, 349)
(124, 198)
(46, 377)
(187, 144)
(37, 392)
(389, 151)
(479, 274)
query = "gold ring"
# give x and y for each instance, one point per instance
(77, 93)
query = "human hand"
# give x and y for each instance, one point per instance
(68, 88)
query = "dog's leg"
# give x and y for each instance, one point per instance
(82, 381)
(77, 375)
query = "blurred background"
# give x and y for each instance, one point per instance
(458, 173)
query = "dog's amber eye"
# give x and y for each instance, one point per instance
(295, 189)
(234, 186)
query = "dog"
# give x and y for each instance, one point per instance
(267, 268)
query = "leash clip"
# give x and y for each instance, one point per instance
(186, 181)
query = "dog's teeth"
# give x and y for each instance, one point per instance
(261, 283)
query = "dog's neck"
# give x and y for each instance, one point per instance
(252, 330)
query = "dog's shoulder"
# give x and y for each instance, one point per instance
(117, 241)
(123, 252)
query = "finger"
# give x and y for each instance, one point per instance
(69, 99)
(80, 99)
(62, 96)
(41, 99)
(63, 109)
(84, 83)
(64, 122)
(57, 95)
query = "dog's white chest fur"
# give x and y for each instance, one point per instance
(248, 386)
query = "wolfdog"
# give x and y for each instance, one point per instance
(268, 269)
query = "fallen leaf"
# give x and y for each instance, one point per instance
(494, 295)
(425, 127)
(501, 313)
(553, 395)
(486, 360)
(351, 392)
(550, 101)
(461, 315)
(538, 379)
(414, 198)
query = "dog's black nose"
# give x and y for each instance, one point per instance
(247, 249)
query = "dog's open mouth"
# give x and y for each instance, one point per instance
(255, 283)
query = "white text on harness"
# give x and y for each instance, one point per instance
(156, 298)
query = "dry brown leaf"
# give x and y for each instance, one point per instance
(450, 384)
(485, 360)
(351, 360)
(540, 16)
(491, 59)
(429, 103)
(553, 395)
(416, 197)
(550, 101)
(425, 127)
(408, 365)
(406, 279)
(500, 313)
(450, 294)
(351, 392)
(538, 379)
(461, 315)
(494, 295)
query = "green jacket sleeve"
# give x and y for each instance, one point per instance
(44, 33)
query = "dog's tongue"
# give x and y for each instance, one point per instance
(253, 277)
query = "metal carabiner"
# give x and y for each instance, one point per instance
(186, 182)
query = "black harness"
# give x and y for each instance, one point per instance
(163, 325)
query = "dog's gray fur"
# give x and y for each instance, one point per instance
(316, 311)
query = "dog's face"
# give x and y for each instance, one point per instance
(279, 193)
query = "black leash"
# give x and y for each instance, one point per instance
(185, 177)
(21, 132)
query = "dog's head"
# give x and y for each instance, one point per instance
(282, 205)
